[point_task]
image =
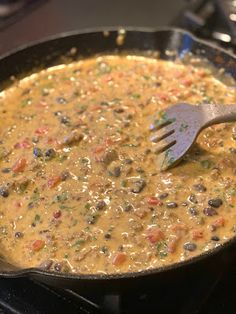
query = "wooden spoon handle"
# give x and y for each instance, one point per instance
(214, 114)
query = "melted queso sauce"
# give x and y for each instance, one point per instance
(79, 188)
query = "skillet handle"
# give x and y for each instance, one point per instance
(215, 114)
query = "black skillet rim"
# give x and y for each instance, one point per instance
(124, 275)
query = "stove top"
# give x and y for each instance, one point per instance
(214, 20)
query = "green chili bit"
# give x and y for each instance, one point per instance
(78, 243)
(162, 249)
(206, 164)
(61, 197)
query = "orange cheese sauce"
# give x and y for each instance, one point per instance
(79, 187)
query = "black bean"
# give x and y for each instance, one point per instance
(128, 161)
(193, 211)
(37, 152)
(129, 116)
(35, 140)
(200, 188)
(6, 170)
(140, 170)
(73, 138)
(30, 205)
(107, 236)
(171, 204)
(216, 202)
(19, 235)
(126, 124)
(215, 238)
(65, 120)
(189, 246)
(104, 249)
(57, 113)
(119, 110)
(232, 150)
(110, 156)
(50, 153)
(116, 171)
(147, 151)
(128, 207)
(138, 186)
(57, 267)
(61, 100)
(4, 192)
(46, 265)
(192, 198)
(209, 211)
(65, 175)
(120, 248)
(100, 205)
(92, 219)
(163, 195)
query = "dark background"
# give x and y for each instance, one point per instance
(55, 16)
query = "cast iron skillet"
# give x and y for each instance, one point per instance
(48, 53)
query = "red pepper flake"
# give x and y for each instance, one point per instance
(154, 201)
(54, 181)
(154, 234)
(119, 258)
(57, 214)
(20, 165)
(42, 130)
(38, 245)
(24, 144)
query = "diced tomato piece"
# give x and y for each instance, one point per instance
(108, 78)
(38, 245)
(54, 181)
(24, 144)
(95, 108)
(187, 82)
(42, 103)
(154, 234)
(18, 204)
(179, 229)
(108, 142)
(220, 222)
(197, 234)
(154, 201)
(57, 214)
(99, 149)
(119, 258)
(42, 130)
(19, 165)
(172, 245)
(202, 73)
(163, 97)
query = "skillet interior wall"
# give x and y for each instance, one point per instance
(22, 62)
